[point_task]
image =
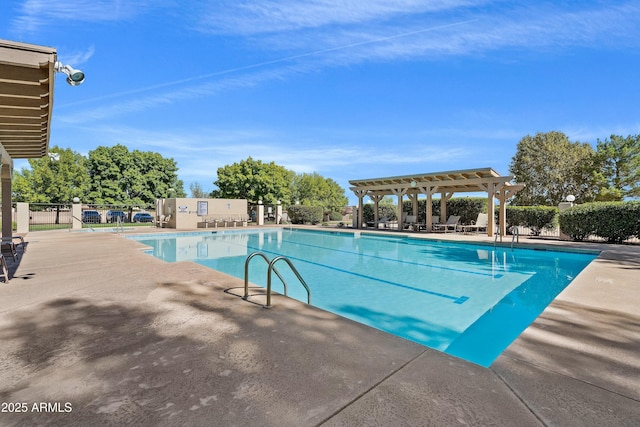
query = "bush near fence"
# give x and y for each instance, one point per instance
(613, 221)
(535, 218)
(384, 211)
(305, 214)
(467, 208)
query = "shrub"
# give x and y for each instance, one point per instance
(613, 221)
(384, 211)
(305, 214)
(467, 208)
(335, 216)
(535, 218)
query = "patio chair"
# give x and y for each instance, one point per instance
(409, 221)
(376, 224)
(5, 270)
(163, 220)
(450, 225)
(7, 244)
(481, 222)
(15, 237)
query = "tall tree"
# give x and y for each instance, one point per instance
(57, 178)
(254, 180)
(196, 191)
(552, 167)
(618, 159)
(119, 176)
(315, 190)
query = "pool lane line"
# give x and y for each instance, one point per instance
(455, 299)
(478, 273)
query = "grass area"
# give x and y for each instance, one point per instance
(124, 224)
(44, 227)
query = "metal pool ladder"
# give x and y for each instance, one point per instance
(515, 236)
(272, 268)
(119, 226)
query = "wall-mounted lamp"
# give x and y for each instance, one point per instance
(74, 77)
(413, 183)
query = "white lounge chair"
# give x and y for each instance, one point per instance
(450, 225)
(376, 224)
(481, 222)
(409, 221)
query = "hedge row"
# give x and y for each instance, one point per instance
(613, 221)
(536, 218)
(466, 207)
(305, 214)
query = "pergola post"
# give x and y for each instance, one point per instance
(399, 192)
(376, 205)
(7, 209)
(360, 194)
(429, 191)
(491, 213)
(502, 215)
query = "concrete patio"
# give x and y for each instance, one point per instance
(103, 334)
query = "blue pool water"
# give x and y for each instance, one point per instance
(467, 300)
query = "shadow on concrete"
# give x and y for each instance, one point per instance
(579, 338)
(186, 357)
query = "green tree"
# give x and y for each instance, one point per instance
(553, 167)
(618, 161)
(57, 178)
(254, 180)
(119, 176)
(196, 191)
(315, 190)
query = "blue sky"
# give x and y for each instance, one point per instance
(350, 89)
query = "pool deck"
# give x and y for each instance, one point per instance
(95, 332)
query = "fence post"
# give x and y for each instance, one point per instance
(76, 212)
(22, 217)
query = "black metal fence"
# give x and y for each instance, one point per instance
(48, 216)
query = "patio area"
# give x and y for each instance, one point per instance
(95, 332)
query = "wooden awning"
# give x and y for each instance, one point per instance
(469, 180)
(446, 183)
(26, 98)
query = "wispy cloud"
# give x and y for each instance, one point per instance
(421, 33)
(277, 16)
(34, 14)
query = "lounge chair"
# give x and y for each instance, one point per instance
(450, 225)
(409, 221)
(481, 222)
(376, 224)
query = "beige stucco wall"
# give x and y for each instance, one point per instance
(184, 211)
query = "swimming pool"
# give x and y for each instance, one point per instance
(467, 300)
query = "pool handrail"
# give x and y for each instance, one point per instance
(269, 270)
(246, 273)
(295, 271)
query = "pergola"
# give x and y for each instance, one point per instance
(26, 103)
(446, 184)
